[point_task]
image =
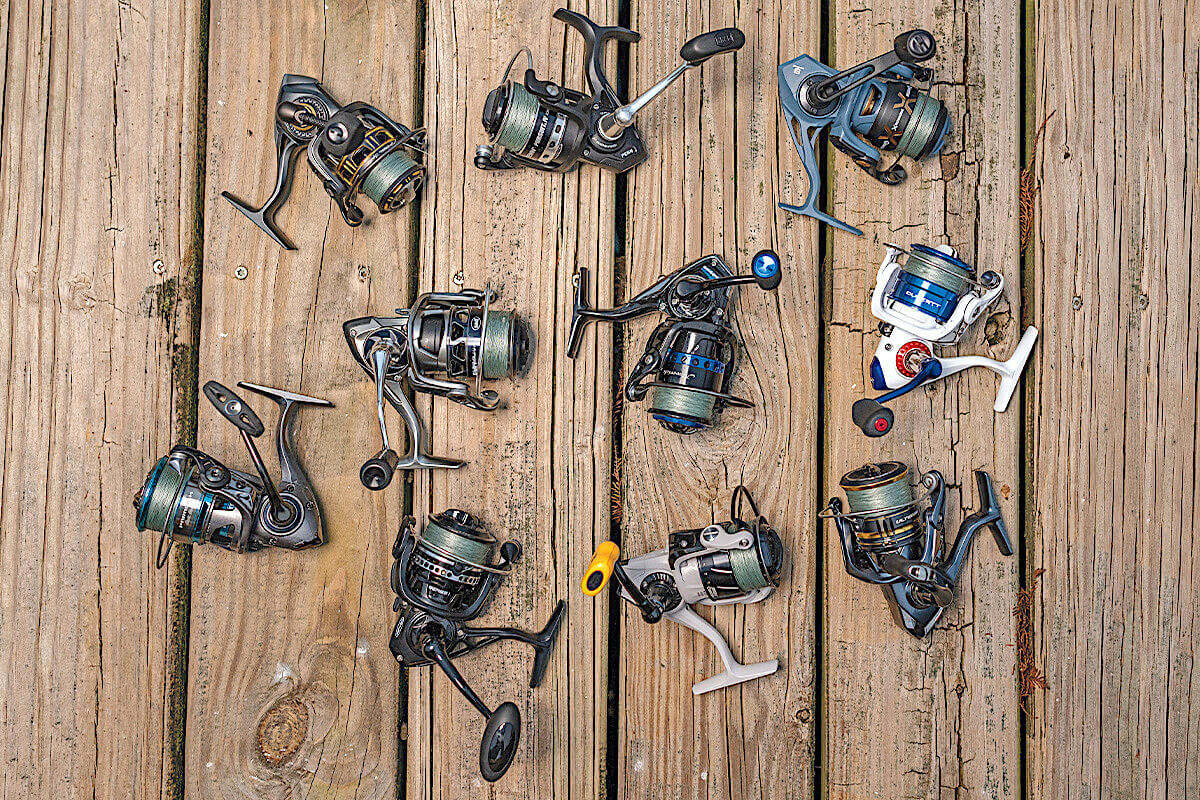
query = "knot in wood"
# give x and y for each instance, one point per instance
(282, 729)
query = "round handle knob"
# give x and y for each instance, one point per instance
(378, 470)
(915, 46)
(767, 269)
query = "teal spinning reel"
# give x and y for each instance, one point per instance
(879, 105)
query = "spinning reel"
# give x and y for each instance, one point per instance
(192, 498)
(457, 335)
(875, 106)
(693, 352)
(887, 539)
(930, 300)
(353, 148)
(443, 576)
(729, 562)
(545, 126)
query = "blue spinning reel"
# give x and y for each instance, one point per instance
(873, 107)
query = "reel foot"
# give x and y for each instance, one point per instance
(545, 645)
(259, 217)
(735, 674)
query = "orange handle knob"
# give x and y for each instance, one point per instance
(600, 568)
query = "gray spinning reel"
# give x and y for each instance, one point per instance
(193, 498)
(456, 335)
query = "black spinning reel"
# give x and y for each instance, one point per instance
(457, 335)
(887, 539)
(693, 352)
(545, 126)
(353, 148)
(444, 576)
(191, 497)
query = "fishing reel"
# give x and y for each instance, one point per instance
(693, 352)
(879, 105)
(443, 577)
(455, 335)
(890, 540)
(931, 299)
(353, 148)
(545, 126)
(738, 561)
(192, 498)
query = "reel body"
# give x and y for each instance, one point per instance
(928, 301)
(436, 347)
(738, 561)
(192, 498)
(878, 106)
(353, 148)
(888, 539)
(545, 126)
(690, 357)
(444, 576)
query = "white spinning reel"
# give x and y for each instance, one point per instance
(930, 299)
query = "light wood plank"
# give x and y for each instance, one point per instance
(98, 147)
(298, 641)
(935, 717)
(720, 159)
(539, 468)
(1113, 496)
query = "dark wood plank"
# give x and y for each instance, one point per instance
(1113, 496)
(98, 153)
(720, 158)
(292, 689)
(538, 469)
(935, 717)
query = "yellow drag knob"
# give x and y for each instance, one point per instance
(600, 568)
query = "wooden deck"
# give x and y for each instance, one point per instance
(269, 675)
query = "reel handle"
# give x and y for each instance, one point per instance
(233, 408)
(600, 568)
(714, 43)
(915, 46)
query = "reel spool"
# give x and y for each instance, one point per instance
(436, 347)
(889, 539)
(443, 577)
(539, 124)
(353, 148)
(738, 561)
(881, 105)
(930, 300)
(191, 498)
(692, 354)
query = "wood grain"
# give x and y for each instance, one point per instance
(935, 717)
(97, 162)
(1113, 499)
(538, 469)
(292, 690)
(720, 158)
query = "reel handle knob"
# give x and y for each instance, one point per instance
(703, 47)
(377, 471)
(600, 568)
(915, 46)
(233, 408)
(872, 417)
(767, 269)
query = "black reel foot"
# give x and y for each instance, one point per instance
(872, 417)
(545, 645)
(500, 739)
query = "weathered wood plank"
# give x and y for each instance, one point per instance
(720, 158)
(294, 645)
(98, 147)
(935, 717)
(538, 469)
(1113, 499)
